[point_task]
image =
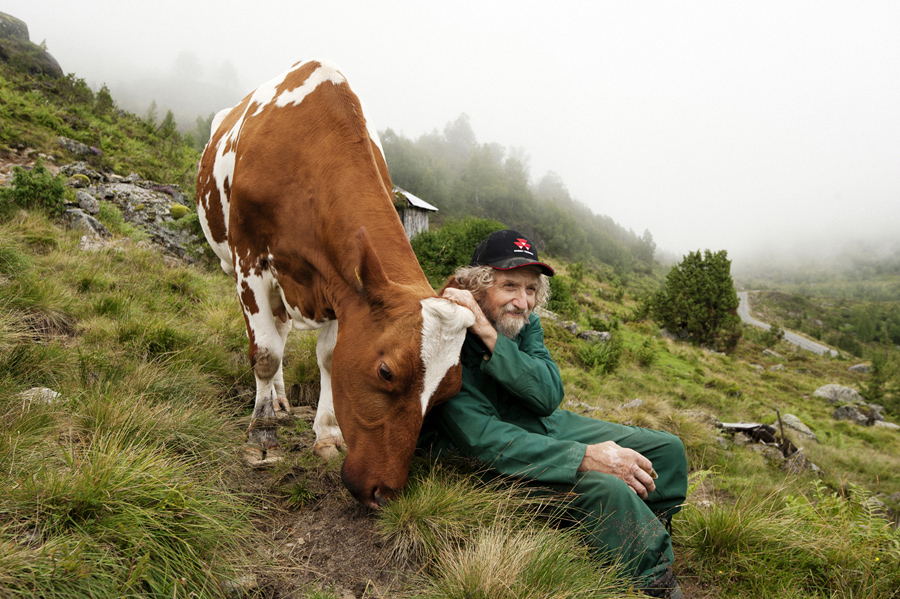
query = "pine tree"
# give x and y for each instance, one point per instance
(699, 299)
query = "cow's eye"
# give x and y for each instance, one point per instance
(385, 373)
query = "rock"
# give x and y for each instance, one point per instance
(581, 406)
(773, 454)
(798, 463)
(39, 395)
(838, 393)
(863, 368)
(887, 425)
(757, 367)
(634, 403)
(75, 147)
(795, 424)
(859, 413)
(81, 168)
(570, 326)
(79, 219)
(240, 587)
(595, 336)
(771, 354)
(17, 50)
(778, 367)
(87, 202)
(12, 28)
(704, 417)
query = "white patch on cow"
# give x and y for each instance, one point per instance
(221, 249)
(444, 327)
(217, 121)
(269, 333)
(326, 72)
(325, 425)
(266, 94)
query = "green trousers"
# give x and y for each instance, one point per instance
(619, 525)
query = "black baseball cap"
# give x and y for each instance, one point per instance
(508, 249)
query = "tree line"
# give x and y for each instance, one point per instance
(465, 178)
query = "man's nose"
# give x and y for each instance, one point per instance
(520, 300)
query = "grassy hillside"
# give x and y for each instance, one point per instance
(129, 483)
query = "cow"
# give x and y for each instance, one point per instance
(295, 199)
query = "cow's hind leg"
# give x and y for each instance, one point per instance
(328, 434)
(268, 334)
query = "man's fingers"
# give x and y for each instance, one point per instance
(646, 481)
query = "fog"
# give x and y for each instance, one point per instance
(767, 126)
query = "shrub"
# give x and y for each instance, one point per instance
(646, 353)
(699, 297)
(37, 189)
(441, 252)
(602, 357)
(561, 299)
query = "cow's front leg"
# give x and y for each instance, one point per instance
(329, 440)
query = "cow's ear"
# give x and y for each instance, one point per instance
(369, 274)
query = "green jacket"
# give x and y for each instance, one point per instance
(507, 413)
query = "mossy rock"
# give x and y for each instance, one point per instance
(178, 210)
(139, 207)
(79, 181)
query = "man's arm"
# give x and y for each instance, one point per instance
(525, 369)
(472, 424)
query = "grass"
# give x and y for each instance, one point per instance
(126, 484)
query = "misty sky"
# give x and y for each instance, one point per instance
(717, 125)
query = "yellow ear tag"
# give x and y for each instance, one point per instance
(358, 278)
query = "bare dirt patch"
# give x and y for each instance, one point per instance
(329, 541)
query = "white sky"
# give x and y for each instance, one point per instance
(720, 125)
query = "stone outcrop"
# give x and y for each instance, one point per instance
(17, 49)
(798, 428)
(838, 393)
(145, 204)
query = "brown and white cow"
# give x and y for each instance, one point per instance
(295, 199)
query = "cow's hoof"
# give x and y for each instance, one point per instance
(263, 436)
(282, 407)
(258, 459)
(327, 449)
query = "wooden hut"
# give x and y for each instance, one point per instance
(413, 211)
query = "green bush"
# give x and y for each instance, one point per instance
(37, 189)
(646, 353)
(441, 252)
(561, 299)
(699, 297)
(601, 357)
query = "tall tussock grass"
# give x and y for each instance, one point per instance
(123, 485)
(821, 544)
(490, 539)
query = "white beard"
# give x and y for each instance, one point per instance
(509, 321)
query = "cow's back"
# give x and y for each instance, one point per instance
(294, 171)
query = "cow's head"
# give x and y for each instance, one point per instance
(397, 355)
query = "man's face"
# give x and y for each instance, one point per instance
(509, 301)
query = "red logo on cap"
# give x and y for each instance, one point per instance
(522, 244)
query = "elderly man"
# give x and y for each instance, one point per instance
(507, 415)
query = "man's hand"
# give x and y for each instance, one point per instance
(482, 327)
(621, 462)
